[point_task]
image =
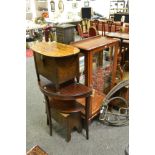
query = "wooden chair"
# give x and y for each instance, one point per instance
(64, 103)
(107, 26)
(80, 32)
(92, 31)
(95, 23)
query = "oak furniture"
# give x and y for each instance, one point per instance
(65, 33)
(88, 47)
(56, 61)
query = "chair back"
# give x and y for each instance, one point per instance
(96, 24)
(79, 28)
(110, 26)
(92, 31)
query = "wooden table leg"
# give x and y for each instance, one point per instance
(88, 69)
(114, 66)
(87, 107)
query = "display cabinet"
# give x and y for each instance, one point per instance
(100, 66)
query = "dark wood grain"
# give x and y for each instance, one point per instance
(64, 101)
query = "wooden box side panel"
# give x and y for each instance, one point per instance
(46, 67)
(67, 68)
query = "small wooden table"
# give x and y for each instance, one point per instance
(88, 47)
(119, 35)
(57, 62)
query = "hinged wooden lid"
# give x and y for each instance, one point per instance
(54, 49)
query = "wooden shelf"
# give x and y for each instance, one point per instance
(96, 102)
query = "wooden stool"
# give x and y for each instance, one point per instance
(69, 121)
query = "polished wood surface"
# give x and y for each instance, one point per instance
(56, 61)
(57, 69)
(119, 35)
(67, 91)
(65, 100)
(95, 104)
(88, 47)
(54, 49)
(93, 43)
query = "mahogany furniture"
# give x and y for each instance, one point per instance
(55, 61)
(36, 150)
(63, 107)
(88, 47)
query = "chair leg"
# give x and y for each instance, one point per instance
(121, 71)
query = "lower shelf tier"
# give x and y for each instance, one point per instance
(95, 103)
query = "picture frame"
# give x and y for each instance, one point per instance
(52, 3)
(61, 6)
(74, 5)
(86, 3)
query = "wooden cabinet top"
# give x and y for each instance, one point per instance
(54, 49)
(65, 26)
(94, 42)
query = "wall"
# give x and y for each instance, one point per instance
(100, 6)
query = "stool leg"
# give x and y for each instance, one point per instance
(47, 121)
(68, 131)
(79, 128)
